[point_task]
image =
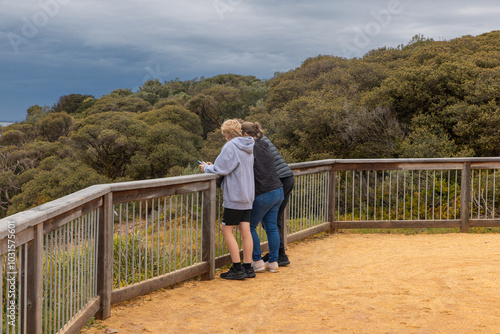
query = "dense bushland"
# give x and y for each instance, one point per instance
(424, 99)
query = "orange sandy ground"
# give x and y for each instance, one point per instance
(341, 283)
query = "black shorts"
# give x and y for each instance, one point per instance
(232, 217)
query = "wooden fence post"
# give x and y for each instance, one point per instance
(105, 257)
(35, 282)
(208, 229)
(465, 197)
(285, 225)
(331, 200)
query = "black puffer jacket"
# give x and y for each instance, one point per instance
(282, 168)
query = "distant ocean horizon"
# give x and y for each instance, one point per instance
(5, 123)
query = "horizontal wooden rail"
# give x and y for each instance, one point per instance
(156, 283)
(388, 224)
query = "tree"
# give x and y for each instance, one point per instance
(35, 113)
(54, 125)
(9, 187)
(175, 114)
(165, 146)
(423, 143)
(205, 107)
(13, 138)
(63, 178)
(479, 128)
(216, 104)
(107, 141)
(117, 103)
(21, 159)
(73, 103)
(19, 165)
(152, 90)
(122, 92)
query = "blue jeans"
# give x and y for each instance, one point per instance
(265, 208)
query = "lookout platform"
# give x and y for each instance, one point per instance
(339, 283)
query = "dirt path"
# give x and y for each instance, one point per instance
(343, 283)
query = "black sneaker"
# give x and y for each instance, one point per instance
(283, 260)
(265, 258)
(250, 272)
(234, 274)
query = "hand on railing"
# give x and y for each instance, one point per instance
(202, 165)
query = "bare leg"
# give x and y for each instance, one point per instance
(232, 244)
(246, 237)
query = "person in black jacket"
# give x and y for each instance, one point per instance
(285, 175)
(268, 198)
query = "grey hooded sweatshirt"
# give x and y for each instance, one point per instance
(235, 162)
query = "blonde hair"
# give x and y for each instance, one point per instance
(232, 128)
(252, 129)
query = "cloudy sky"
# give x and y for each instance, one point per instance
(51, 48)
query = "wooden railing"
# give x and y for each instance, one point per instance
(69, 260)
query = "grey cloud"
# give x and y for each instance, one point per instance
(90, 46)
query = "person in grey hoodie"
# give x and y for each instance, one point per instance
(235, 163)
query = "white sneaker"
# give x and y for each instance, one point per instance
(272, 266)
(259, 266)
